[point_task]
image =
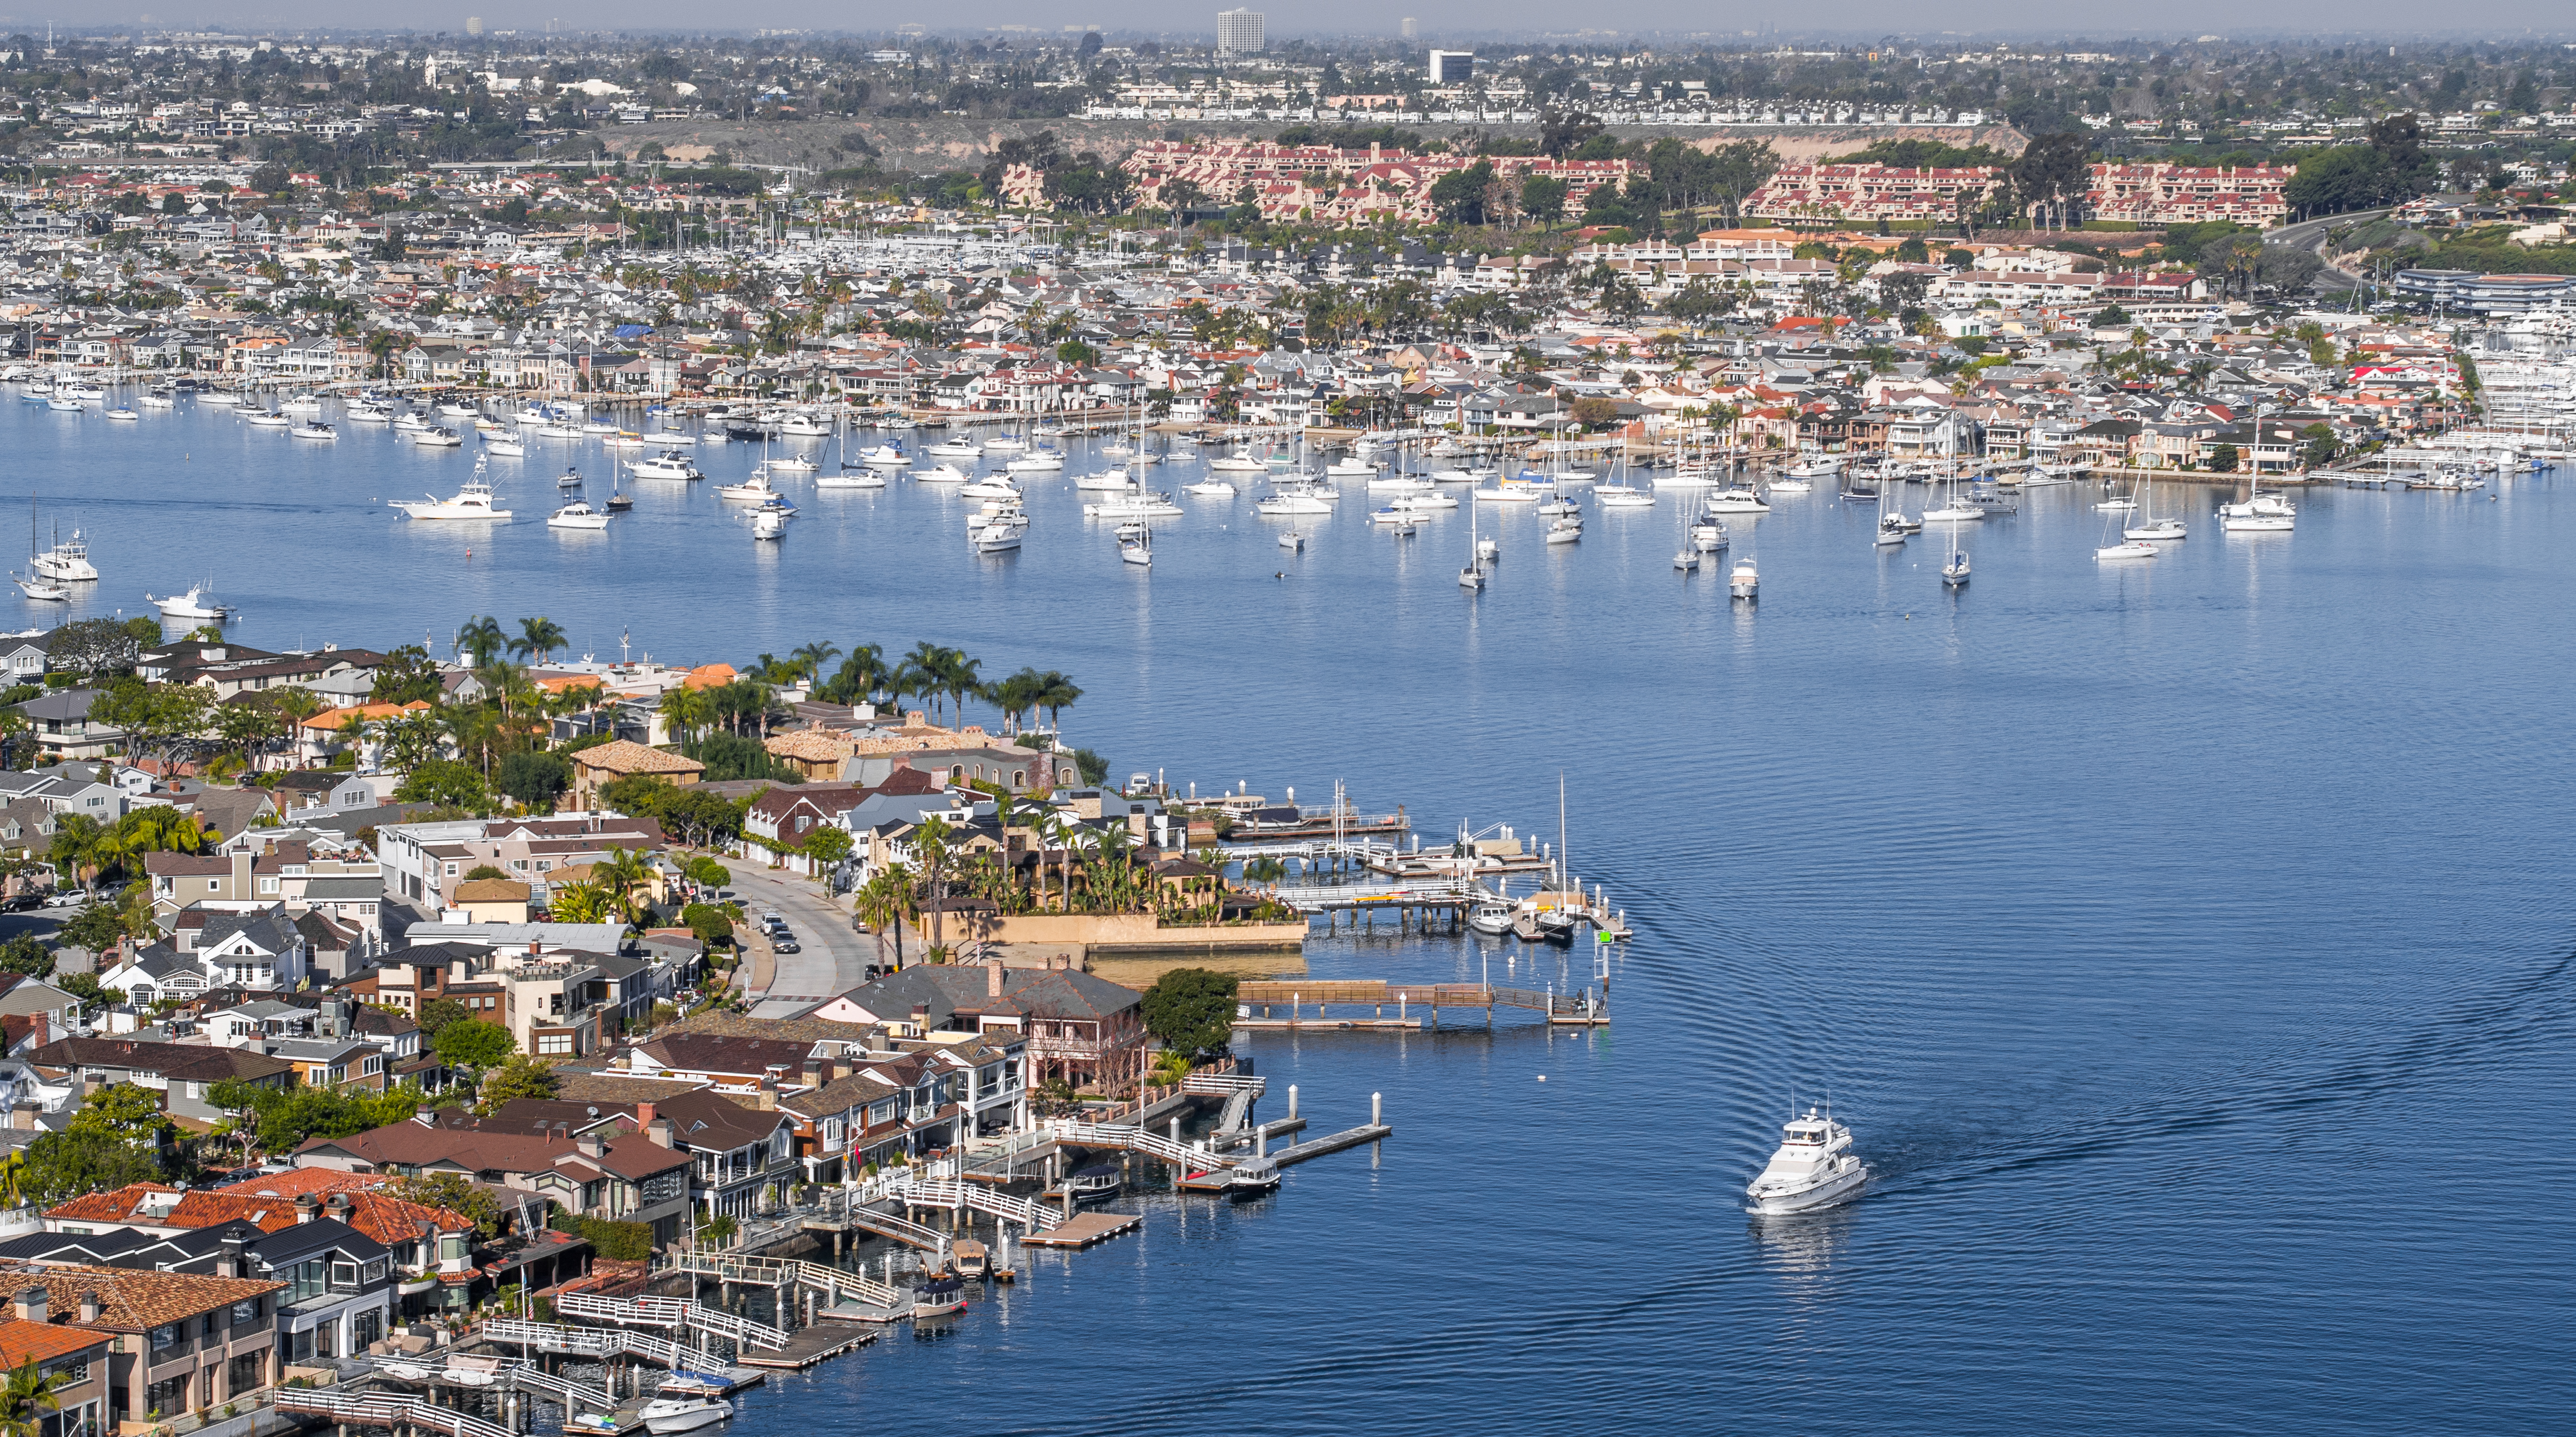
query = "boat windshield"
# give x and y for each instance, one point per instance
(1802, 1135)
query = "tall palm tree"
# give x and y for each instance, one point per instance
(881, 907)
(922, 672)
(538, 637)
(619, 875)
(1056, 693)
(482, 637)
(810, 658)
(686, 711)
(957, 676)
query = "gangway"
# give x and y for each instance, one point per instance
(781, 1273)
(1191, 1161)
(484, 1373)
(381, 1409)
(953, 1195)
(602, 1342)
(673, 1313)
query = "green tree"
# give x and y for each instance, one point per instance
(535, 779)
(474, 1044)
(123, 1111)
(23, 954)
(450, 1191)
(1543, 199)
(522, 1077)
(537, 638)
(827, 845)
(96, 928)
(707, 873)
(407, 676)
(1459, 196)
(82, 1160)
(1191, 1010)
(2222, 459)
(708, 922)
(481, 636)
(447, 782)
(438, 1013)
(26, 1397)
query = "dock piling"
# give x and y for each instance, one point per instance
(1377, 1110)
(1292, 1100)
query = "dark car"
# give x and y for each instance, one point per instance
(25, 902)
(785, 945)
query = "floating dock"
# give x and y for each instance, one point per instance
(1258, 1003)
(1084, 1230)
(1331, 1143)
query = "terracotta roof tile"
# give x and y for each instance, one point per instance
(131, 1301)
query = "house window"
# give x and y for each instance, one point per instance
(166, 1335)
(554, 1042)
(246, 1312)
(268, 885)
(214, 885)
(344, 1275)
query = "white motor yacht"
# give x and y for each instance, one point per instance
(1113, 480)
(197, 603)
(669, 464)
(159, 399)
(622, 439)
(803, 426)
(314, 429)
(1738, 500)
(1813, 1168)
(2167, 530)
(664, 1416)
(1134, 506)
(850, 477)
(1708, 536)
(438, 436)
(556, 429)
(267, 419)
(1037, 461)
(1211, 488)
(791, 464)
(1238, 462)
(124, 416)
(2264, 513)
(1294, 499)
(577, 515)
(507, 446)
(992, 486)
(405, 423)
(769, 521)
(942, 474)
(66, 562)
(963, 446)
(302, 404)
(1622, 496)
(454, 410)
(1352, 467)
(1568, 530)
(755, 490)
(472, 502)
(889, 455)
(1743, 582)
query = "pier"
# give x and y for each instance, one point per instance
(1583, 1009)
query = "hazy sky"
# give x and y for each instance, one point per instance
(1859, 17)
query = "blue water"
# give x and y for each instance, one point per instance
(2187, 942)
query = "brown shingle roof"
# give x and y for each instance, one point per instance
(625, 756)
(132, 1301)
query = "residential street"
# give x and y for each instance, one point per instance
(834, 959)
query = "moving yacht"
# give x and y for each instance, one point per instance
(1813, 1168)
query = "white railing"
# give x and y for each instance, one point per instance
(381, 1410)
(1219, 1084)
(671, 1312)
(954, 1195)
(1120, 1135)
(583, 1341)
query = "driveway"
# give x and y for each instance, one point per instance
(834, 959)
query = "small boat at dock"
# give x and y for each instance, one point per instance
(664, 1416)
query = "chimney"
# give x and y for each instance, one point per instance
(336, 1207)
(306, 1204)
(31, 1303)
(840, 1065)
(813, 1072)
(591, 1145)
(228, 1263)
(643, 1115)
(89, 1309)
(993, 979)
(659, 1130)
(767, 1096)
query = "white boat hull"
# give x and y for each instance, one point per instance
(1832, 1192)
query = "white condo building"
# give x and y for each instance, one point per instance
(1239, 32)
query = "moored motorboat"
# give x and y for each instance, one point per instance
(197, 603)
(664, 1416)
(577, 515)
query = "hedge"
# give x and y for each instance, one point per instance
(616, 1241)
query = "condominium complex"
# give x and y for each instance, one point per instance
(1239, 32)
(1451, 67)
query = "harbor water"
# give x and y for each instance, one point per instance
(2187, 942)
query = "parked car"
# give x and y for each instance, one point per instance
(26, 901)
(785, 944)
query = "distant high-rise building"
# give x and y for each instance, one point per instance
(1412, 28)
(1239, 32)
(473, 24)
(1452, 67)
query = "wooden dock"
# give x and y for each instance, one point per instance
(1084, 1230)
(809, 1345)
(1377, 995)
(1330, 1143)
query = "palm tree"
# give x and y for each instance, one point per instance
(25, 1399)
(1015, 695)
(538, 637)
(1056, 693)
(619, 875)
(482, 637)
(810, 658)
(957, 676)
(862, 674)
(930, 841)
(921, 673)
(881, 907)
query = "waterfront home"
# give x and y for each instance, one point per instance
(75, 1363)
(182, 1340)
(1078, 1029)
(422, 862)
(339, 1280)
(629, 1179)
(62, 727)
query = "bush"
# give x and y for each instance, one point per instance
(1191, 1010)
(616, 1241)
